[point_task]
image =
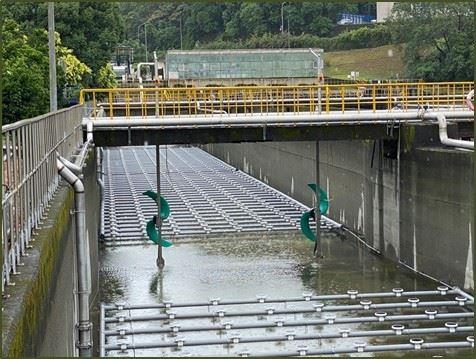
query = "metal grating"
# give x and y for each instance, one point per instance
(206, 196)
(349, 323)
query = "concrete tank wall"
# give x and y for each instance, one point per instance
(38, 317)
(417, 209)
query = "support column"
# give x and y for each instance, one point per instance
(160, 259)
(318, 242)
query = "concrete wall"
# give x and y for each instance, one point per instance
(39, 316)
(417, 209)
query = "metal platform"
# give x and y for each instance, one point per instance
(206, 196)
(349, 323)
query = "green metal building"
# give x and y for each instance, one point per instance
(245, 67)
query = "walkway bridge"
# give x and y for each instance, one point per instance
(270, 113)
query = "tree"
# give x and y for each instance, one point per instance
(204, 22)
(91, 29)
(106, 77)
(25, 72)
(439, 39)
(24, 75)
(252, 19)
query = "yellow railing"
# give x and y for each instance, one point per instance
(145, 102)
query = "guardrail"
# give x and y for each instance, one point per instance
(127, 102)
(30, 176)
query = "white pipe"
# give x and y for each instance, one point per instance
(199, 108)
(370, 117)
(450, 141)
(156, 67)
(469, 100)
(83, 264)
(89, 130)
(71, 166)
(139, 65)
(99, 174)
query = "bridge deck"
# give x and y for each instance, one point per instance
(223, 128)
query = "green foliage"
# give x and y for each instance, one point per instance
(26, 71)
(439, 39)
(364, 37)
(234, 24)
(91, 29)
(106, 77)
(24, 75)
(74, 70)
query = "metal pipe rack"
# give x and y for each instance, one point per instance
(450, 314)
(223, 199)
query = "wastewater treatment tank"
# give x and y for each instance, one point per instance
(241, 280)
(245, 67)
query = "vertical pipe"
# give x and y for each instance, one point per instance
(102, 336)
(318, 242)
(83, 264)
(52, 56)
(84, 326)
(100, 180)
(160, 258)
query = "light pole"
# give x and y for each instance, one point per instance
(289, 34)
(181, 42)
(145, 38)
(145, 42)
(282, 16)
(52, 56)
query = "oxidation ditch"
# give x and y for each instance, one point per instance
(242, 281)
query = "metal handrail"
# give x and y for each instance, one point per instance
(404, 96)
(30, 177)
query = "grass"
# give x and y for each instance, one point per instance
(378, 63)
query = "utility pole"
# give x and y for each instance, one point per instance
(181, 43)
(52, 56)
(282, 16)
(145, 41)
(289, 33)
(145, 38)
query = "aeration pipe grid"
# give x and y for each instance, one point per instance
(449, 326)
(351, 294)
(281, 322)
(291, 336)
(318, 307)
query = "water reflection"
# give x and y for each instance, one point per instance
(240, 267)
(156, 286)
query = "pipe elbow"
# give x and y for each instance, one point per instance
(69, 176)
(71, 166)
(469, 100)
(443, 132)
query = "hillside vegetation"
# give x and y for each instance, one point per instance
(438, 38)
(384, 62)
